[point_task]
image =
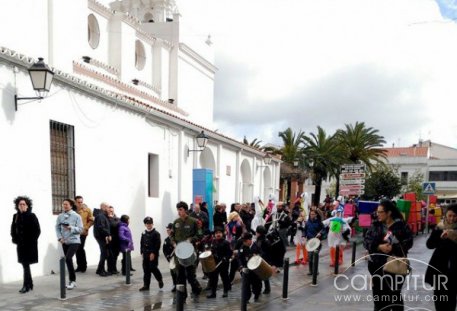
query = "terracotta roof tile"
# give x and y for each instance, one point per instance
(407, 152)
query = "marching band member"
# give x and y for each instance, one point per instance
(222, 252)
(185, 228)
(265, 250)
(313, 229)
(247, 250)
(169, 251)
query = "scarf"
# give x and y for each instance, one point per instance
(452, 230)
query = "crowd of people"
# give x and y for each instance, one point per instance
(235, 237)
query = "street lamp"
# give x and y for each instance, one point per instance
(41, 76)
(202, 140)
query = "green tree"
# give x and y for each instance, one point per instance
(323, 154)
(292, 145)
(382, 181)
(415, 184)
(360, 145)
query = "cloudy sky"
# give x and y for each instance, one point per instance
(302, 63)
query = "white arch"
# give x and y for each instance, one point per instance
(246, 181)
(207, 160)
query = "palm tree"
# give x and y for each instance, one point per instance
(323, 154)
(361, 145)
(291, 149)
(254, 143)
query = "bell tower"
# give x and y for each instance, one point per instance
(147, 11)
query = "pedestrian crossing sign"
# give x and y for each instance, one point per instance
(428, 188)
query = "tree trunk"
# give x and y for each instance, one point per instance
(317, 192)
(337, 186)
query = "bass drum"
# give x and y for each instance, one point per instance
(313, 244)
(185, 253)
(260, 267)
(208, 262)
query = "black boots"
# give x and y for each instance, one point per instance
(26, 288)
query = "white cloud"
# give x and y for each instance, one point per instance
(303, 63)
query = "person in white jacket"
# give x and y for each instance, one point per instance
(338, 229)
(258, 219)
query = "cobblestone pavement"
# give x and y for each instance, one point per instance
(111, 293)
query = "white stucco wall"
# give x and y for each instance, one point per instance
(112, 142)
(111, 152)
(196, 97)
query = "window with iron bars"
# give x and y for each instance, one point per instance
(62, 164)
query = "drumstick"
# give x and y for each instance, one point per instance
(218, 264)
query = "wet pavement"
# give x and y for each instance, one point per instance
(111, 293)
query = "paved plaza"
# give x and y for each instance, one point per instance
(111, 293)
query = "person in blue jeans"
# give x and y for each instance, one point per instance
(68, 230)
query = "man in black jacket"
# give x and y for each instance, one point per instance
(248, 250)
(150, 247)
(102, 234)
(220, 216)
(222, 253)
(169, 251)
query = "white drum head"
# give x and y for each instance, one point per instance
(313, 244)
(205, 255)
(254, 262)
(184, 250)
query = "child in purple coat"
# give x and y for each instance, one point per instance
(125, 240)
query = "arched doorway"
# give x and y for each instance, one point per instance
(207, 161)
(246, 182)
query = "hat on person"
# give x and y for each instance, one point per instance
(246, 236)
(218, 229)
(170, 226)
(148, 220)
(261, 230)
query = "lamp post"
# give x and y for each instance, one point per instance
(296, 162)
(202, 140)
(41, 76)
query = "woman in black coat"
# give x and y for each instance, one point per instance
(25, 230)
(388, 236)
(441, 273)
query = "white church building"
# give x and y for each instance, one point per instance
(128, 98)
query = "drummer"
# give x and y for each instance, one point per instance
(265, 250)
(313, 229)
(185, 228)
(222, 252)
(169, 251)
(248, 250)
